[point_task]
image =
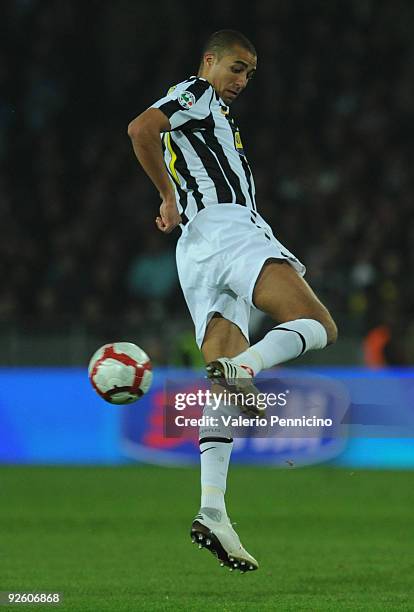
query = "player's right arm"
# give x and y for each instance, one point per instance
(185, 104)
(144, 132)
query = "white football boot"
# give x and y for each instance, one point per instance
(236, 379)
(212, 530)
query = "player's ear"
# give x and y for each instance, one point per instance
(209, 59)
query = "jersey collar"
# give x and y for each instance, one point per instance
(224, 108)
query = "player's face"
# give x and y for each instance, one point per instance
(230, 74)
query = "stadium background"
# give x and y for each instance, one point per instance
(327, 126)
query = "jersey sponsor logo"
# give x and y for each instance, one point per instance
(238, 143)
(186, 99)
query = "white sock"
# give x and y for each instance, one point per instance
(282, 343)
(216, 444)
(214, 458)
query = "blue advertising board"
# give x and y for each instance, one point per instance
(53, 416)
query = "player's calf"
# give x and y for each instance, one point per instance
(285, 342)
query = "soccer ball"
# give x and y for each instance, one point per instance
(120, 372)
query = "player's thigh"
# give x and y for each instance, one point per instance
(284, 295)
(222, 339)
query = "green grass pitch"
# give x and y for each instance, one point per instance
(118, 539)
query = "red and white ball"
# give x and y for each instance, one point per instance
(120, 372)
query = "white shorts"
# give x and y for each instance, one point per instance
(219, 257)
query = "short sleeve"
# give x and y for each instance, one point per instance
(188, 101)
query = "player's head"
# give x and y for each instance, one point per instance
(228, 62)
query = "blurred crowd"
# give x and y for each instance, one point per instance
(327, 125)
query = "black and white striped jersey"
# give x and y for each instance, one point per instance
(203, 152)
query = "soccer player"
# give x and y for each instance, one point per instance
(227, 256)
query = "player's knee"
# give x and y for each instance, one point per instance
(324, 318)
(331, 330)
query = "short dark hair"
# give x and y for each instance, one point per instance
(223, 40)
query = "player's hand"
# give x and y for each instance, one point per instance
(169, 216)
